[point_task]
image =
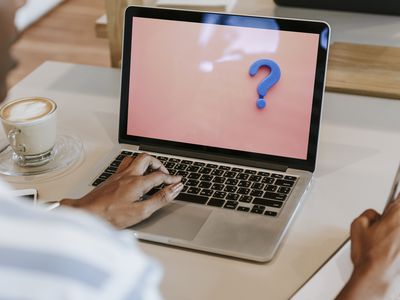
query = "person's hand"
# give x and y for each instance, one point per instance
(375, 253)
(119, 199)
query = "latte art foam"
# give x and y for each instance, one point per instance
(27, 109)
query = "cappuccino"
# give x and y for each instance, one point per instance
(27, 109)
(30, 125)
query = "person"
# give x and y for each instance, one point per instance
(375, 253)
(70, 254)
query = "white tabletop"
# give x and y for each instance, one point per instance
(359, 152)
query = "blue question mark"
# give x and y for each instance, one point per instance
(268, 82)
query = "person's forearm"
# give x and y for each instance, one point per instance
(363, 285)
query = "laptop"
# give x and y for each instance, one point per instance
(231, 103)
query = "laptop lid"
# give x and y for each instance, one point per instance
(238, 89)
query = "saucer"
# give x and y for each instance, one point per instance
(66, 152)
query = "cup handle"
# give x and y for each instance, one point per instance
(12, 137)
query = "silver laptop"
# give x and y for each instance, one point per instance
(232, 104)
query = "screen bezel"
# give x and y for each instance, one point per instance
(293, 25)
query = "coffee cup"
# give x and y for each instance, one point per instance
(30, 125)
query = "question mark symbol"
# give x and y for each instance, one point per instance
(268, 82)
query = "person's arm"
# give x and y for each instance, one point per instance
(375, 253)
(119, 199)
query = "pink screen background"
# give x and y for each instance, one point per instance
(190, 83)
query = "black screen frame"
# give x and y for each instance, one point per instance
(293, 25)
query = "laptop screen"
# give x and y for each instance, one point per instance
(222, 84)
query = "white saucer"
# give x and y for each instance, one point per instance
(66, 152)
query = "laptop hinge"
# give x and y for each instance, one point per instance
(215, 157)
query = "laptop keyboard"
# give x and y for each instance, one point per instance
(221, 185)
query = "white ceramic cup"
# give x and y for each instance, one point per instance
(30, 125)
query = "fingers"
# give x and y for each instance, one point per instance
(144, 162)
(126, 162)
(157, 178)
(160, 199)
(367, 218)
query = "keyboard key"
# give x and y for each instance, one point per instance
(219, 179)
(230, 204)
(219, 194)
(174, 160)
(127, 153)
(271, 188)
(217, 187)
(193, 190)
(192, 198)
(257, 211)
(192, 169)
(264, 174)
(205, 170)
(194, 176)
(199, 163)
(268, 180)
(266, 202)
(206, 178)
(238, 170)
(256, 193)
(276, 175)
(185, 188)
(230, 189)
(274, 196)
(115, 163)
(216, 202)
(293, 178)
(245, 184)
(287, 183)
(105, 175)
(225, 168)
(120, 157)
(217, 172)
(162, 158)
(246, 199)
(257, 186)
(270, 213)
(243, 208)
(182, 173)
(230, 174)
(192, 182)
(212, 166)
(97, 182)
(233, 197)
(250, 172)
(206, 192)
(284, 190)
(255, 178)
(205, 184)
(172, 172)
(243, 191)
(242, 176)
(169, 165)
(185, 161)
(180, 167)
(111, 170)
(231, 181)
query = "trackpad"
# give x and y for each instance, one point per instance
(178, 221)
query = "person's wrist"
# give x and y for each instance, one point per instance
(369, 281)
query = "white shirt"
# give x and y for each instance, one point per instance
(69, 254)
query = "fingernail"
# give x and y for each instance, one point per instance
(176, 189)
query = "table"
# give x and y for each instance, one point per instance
(359, 152)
